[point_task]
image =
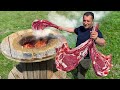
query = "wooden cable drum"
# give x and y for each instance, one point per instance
(35, 62)
(13, 49)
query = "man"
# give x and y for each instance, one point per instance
(84, 33)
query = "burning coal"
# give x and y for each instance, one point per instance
(32, 42)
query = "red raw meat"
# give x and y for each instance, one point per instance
(41, 24)
(68, 59)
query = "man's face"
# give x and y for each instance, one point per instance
(87, 21)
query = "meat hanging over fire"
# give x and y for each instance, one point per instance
(39, 25)
(68, 59)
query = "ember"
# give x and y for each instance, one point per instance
(38, 44)
(41, 43)
(32, 42)
(28, 46)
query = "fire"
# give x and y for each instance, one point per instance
(38, 44)
(28, 46)
(41, 43)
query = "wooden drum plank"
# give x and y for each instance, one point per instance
(5, 47)
(36, 70)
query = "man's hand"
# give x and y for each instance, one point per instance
(94, 34)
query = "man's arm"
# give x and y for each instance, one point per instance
(67, 29)
(99, 41)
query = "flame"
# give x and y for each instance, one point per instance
(38, 44)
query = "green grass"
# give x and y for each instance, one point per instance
(5, 66)
(17, 20)
(12, 21)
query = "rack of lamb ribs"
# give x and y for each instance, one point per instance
(68, 59)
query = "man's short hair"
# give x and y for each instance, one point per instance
(89, 13)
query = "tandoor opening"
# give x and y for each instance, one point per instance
(32, 42)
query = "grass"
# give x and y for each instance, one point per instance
(17, 20)
(12, 21)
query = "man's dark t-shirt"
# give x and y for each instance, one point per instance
(84, 34)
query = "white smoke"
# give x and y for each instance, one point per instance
(77, 16)
(41, 33)
(100, 14)
(61, 20)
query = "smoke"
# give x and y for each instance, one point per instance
(73, 18)
(100, 14)
(61, 20)
(41, 33)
